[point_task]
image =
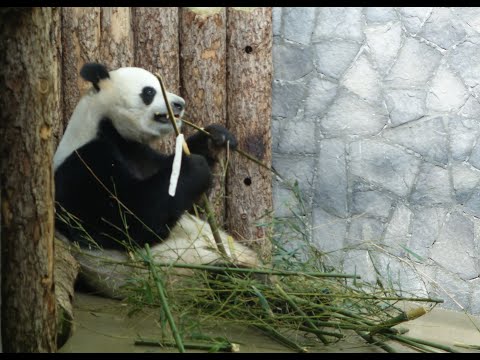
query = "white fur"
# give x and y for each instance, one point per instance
(190, 242)
(118, 99)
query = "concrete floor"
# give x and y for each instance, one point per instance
(102, 325)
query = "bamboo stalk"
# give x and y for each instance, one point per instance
(270, 330)
(206, 202)
(263, 302)
(323, 332)
(256, 271)
(163, 300)
(225, 346)
(467, 346)
(300, 311)
(373, 297)
(237, 270)
(404, 316)
(353, 318)
(415, 345)
(274, 334)
(423, 342)
(376, 342)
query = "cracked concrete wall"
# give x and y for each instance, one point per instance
(376, 114)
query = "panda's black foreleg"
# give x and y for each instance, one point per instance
(150, 202)
(194, 180)
(209, 145)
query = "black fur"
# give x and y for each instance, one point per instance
(139, 177)
(94, 72)
(148, 94)
(208, 146)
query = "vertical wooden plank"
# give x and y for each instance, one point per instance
(80, 41)
(92, 34)
(31, 106)
(155, 31)
(203, 78)
(249, 69)
(156, 49)
(116, 38)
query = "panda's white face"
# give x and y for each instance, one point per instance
(133, 100)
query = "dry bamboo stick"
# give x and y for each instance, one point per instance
(241, 152)
(206, 203)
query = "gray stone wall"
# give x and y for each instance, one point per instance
(376, 114)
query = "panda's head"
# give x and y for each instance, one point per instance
(132, 99)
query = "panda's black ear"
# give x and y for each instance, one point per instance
(94, 72)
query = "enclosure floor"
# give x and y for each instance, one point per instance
(102, 325)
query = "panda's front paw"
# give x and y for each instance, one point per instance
(220, 136)
(197, 171)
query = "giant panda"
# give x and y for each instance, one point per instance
(104, 156)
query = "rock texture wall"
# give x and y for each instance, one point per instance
(376, 113)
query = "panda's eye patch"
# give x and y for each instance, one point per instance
(147, 95)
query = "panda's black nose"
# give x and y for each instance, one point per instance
(177, 107)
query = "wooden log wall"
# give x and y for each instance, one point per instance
(218, 59)
(204, 74)
(156, 36)
(249, 68)
(80, 40)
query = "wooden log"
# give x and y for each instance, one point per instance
(249, 69)
(116, 39)
(1, 348)
(31, 105)
(203, 80)
(155, 32)
(80, 41)
(66, 271)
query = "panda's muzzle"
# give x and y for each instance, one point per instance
(177, 109)
(161, 118)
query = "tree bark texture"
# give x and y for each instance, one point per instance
(81, 38)
(66, 271)
(1, 347)
(116, 39)
(31, 106)
(155, 32)
(203, 72)
(92, 34)
(249, 79)
(157, 50)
